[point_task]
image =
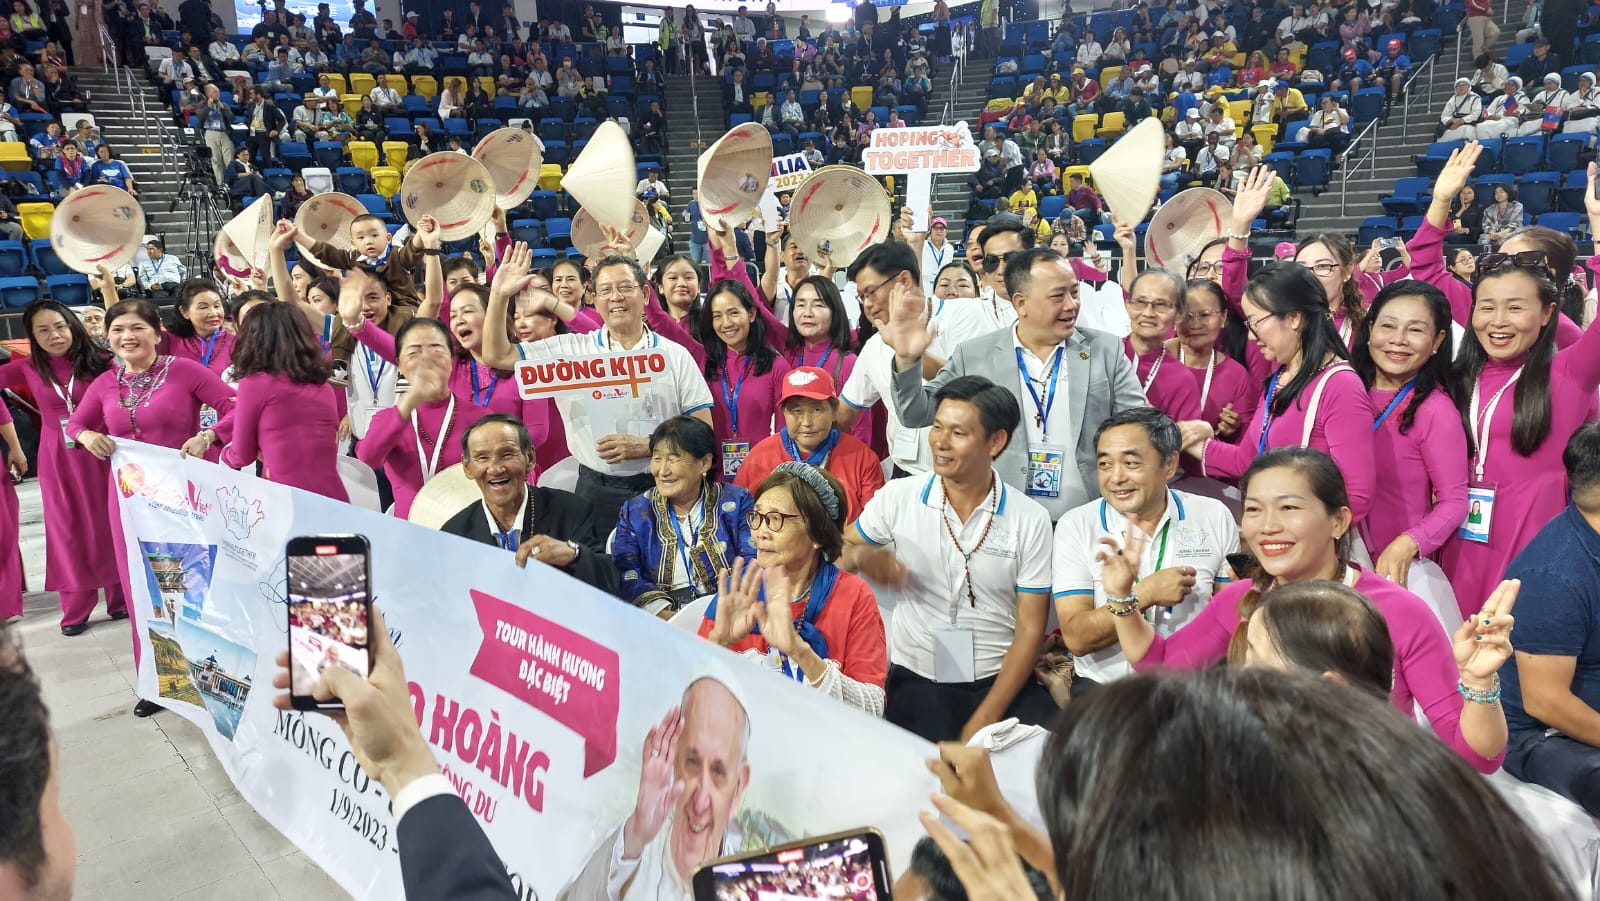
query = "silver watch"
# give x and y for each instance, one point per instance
(576, 548)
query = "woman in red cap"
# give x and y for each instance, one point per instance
(809, 403)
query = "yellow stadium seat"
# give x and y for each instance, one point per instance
(1237, 61)
(385, 181)
(861, 96)
(36, 219)
(1069, 171)
(488, 84)
(14, 156)
(425, 86)
(1265, 136)
(362, 83)
(1239, 112)
(1112, 124)
(1109, 74)
(549, 177)
(398, 82)
(1084, 125)
(337, 82)
(1169, 115)
(363, 154)
(395, 153)
(351, 103)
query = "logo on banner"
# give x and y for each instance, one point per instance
(602, 375)
(132, 481)
(239, 513)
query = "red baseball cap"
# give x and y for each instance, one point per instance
(1349, 53)
(808, 381)
(1394, 44)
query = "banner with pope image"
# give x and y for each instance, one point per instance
(537, 693)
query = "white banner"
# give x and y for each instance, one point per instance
(788, 171)
(535, 691)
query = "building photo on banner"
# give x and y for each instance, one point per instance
(535, 692)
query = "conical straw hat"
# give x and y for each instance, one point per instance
(1184, 225)
(98, 226)
(733, 174)
(249, 232)
(326, 218)
(587, 237)
(601, 179)
(839, 210)
(230, 259)
(443, 496)
(1128, 175)
(451, 187)
(512, 157)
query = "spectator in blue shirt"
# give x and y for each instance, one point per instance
(698, 249)
(46, 145)
(1393, 67)
(1219, 77)
(1551, 686)
(107, 171)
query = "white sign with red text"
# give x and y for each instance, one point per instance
(918, 154)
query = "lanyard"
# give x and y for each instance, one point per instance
(1211, 369)
(1155, 368)
(1393, 404)
(430, 465)
(1042, 408)
(1266, 413)
(683, 544)
(1481, 433)
(482, 398)
(208, 346)
(508, 539)
(66, 396)
(938, 255)
(731, 400)
(820, 360)
(373, 378)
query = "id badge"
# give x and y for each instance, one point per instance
(733, 454)
(953, 655)
(65, 436)
(1480, 510)
(903, 443)
(1044, 471)
(208, 417)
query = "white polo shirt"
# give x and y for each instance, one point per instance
(681, 391)
(872, 380)
(971, 317)
(1195, 531)
(908, 517)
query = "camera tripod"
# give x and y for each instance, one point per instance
(197, 192)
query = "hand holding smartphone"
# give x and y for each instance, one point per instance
(330, 609)
(845, 865)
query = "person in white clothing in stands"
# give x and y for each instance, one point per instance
(936, 251)
(992, 310)
(610, 437)
(1184, 540)
(1461, 113)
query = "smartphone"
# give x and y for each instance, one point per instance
(849, 865)
(1244, 566)
(1388, 243)
(330, 606)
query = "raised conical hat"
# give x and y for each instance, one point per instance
(1184, 225)
(451, 187)
(100, 225)
(587, 237)
(247, 235)
(733, 174)
(443, 496)
(601, 179)
(839, 210)
(1128, 175)
(326, 218)
(512, 158)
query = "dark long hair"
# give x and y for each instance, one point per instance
(1328, 627)
(1284, 288)
(839, 321)
(1530, 412)
(1275, 785)
(276, 339)
(1350, 297)
(1435, 373)
(755, 344)
(187, 292)
(88, 358)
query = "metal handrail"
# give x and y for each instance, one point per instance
(958, 64)
(1405, 90)
(1370, 157)
(694, 93)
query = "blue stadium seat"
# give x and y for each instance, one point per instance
(545, 204)
(353, 180)
(1365, 106)
(1373, 228)
(72, 290)
(1410, 196)
(328, 153)
(377, 206)
(1562, 155)
(278, 177)
(552, 129)
(1522, 155)
(44, 257)
(1573, 190)
(18, 291)
(1537, 192)
(527, 231)
(558, 232)
(294, 154)
(13, 259)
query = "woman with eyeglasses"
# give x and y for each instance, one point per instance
(1314, 399)
(1520, 398)
(1298, 524)
(674, 541)
(1229, 393)
(1417, 436)
(791, 606)
(744, 373)
(61, 363)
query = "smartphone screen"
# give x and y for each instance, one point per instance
(329, 607)
(846, 865)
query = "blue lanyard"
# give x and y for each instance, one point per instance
(1398, 398)
(732, 399)
(1042, 408)
(683, 544)
(207, 346)
(325, 340)
(382, 257)
(1266, 413)
(507, 539)
(819, 457)
(367, 356)
(482, 398)
(820, 360)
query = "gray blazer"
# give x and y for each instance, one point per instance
(1101, 380)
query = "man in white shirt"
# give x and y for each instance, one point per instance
(743, 25)
(222, 49)
(610, 435)
(1184, 541)
(160, 274)
(385, 99)
(967, 551)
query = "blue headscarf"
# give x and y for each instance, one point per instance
(806, 626)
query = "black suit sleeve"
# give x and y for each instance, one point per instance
(561, 515)
(444, 855)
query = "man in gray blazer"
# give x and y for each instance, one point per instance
(1042, 356)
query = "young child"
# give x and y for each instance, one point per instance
(395, 265)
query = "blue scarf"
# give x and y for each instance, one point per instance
(806, 625)
(818, 457)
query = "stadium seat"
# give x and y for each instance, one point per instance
(1562, 155)
(1537, 192)
(278, 177)
(395, 154)
(363, 154)
(527, 231)
(44, 257)
(318, 179)
(426, 85)
(558, 233)
(1570, 223)
(1409, 197)
(17, 292)
(14, 156)
(362, 83)
(1084, 126)
(1573, 191)
(398, 82)
(1312, 168)
(377, 206)
(35, 218)
(328, 153)
(353, 180)
(549, 175)
(72, 290)
(1522, 155)
(13, 259)
(1373, 228)
(1365, 106)
(1111, 125)
(385, 180)
(294, 154)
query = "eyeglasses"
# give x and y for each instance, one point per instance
(1324, 269)
(873, 291)
(993, 261)
(1142, 305)
(625, 289)
(1201, 315)
(1203, 269)
(1252, 324)
(773, 521)
(1526, 259)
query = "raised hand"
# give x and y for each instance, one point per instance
(514, 272)
(906, 330)
(966, 775)
(1483, 643)
(1119, 565)
(428, 234)
(616, 242)
(738, 590)
(987, 863)
(1458, 170)
(776, 619)
(283, 235)
(1591, 204)
(659, 786)
(352, 288)
(1251, 199)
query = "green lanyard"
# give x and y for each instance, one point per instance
(1161, 556)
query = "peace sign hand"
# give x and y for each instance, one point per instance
(1483, 643)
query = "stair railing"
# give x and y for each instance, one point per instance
(1405, 89)
(1367, 139)
(957, 67)
(108, 49)
(694, 93)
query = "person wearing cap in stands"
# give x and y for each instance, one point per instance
(1284, 251)
(1461, 112)
(936, 251)
(1353, 72)
(810, 404)
(1393, 68)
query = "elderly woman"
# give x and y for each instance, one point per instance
(793, 607)
(1462, 110)
(810, 405)
(669, 550)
